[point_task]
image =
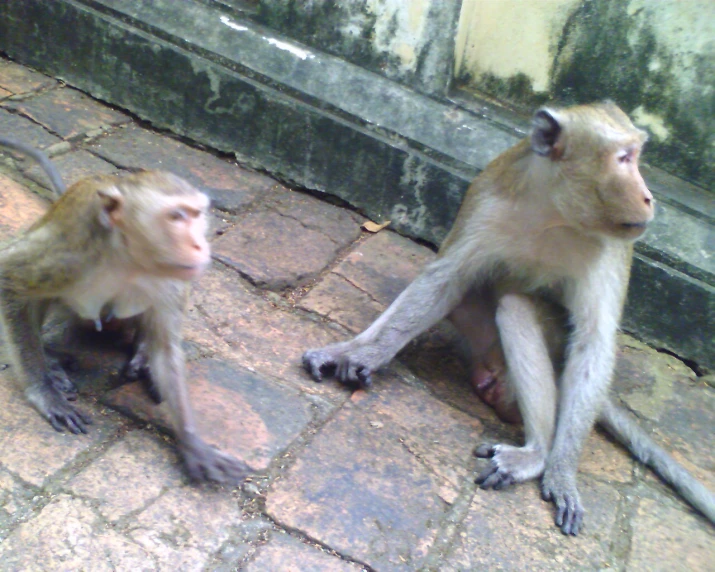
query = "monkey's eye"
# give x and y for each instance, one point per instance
(178, 215)
(625, 156)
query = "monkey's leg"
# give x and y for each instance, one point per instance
(425, 302)
(137, 368)
(21, 323)
(162, 331)
(531, 372)
(475, 318)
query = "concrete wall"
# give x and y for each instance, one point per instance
(408, 41)
(654, 58)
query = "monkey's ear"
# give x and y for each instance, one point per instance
(111, 210)
(545, 132)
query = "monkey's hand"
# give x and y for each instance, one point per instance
(54, 407)
(559, 486)
(206, 463)
(337, 359)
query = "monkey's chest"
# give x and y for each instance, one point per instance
(109, 293)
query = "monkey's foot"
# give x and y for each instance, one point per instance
(336, 360)
(53, 405)
(206, 463)
(509, 465)
(59, 378)
(137, 368)
(559, 487)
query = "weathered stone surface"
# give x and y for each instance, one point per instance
(16, 500)
(337, 299)
(130, 474)
(18, 79)
(602, 457)
(24, 130)
(513, 529)
(368, 280)
(68, 535)
(289, 242)
(72, 167)
(18, 208)
(672, 402)
(30, 447)
(181, 529)
(670, 538)
(239, 412)
(4, 93)
(68, 112)
(349, 488)
(231, 187)
(260, 336)
(287, 554)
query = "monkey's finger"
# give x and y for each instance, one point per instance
(59, 427)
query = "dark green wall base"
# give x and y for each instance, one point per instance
(323, 123)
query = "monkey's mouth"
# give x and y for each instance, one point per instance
(185, 271)
(632, 230)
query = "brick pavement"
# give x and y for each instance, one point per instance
(378, 480)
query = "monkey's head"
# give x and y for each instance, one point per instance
(593, 152)
(161, 221)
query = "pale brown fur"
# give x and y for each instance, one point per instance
(119, 246)
(548, 222)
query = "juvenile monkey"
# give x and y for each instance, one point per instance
(548, 224)
(124, 246)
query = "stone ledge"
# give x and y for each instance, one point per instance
(328, 125)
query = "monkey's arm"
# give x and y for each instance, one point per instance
(21, 321)
(425, 302)
(594, 304)
(161, 331)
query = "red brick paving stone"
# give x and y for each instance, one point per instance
(19, 208)
(291, 241)
(381, 268)
(68, 112)
(30, 447)
(20, 79)
(72, 167)
(68, 534)
(185, 526)
(336, 298)
(288, 554)
(130, 474)
(376, 481)
(513, 529)
(668, 538)
(24, 130)
(230, 187)
(252, 418)
(260, 336)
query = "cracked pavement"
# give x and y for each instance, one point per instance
(342, 480)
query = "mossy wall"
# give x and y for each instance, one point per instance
(654, 58)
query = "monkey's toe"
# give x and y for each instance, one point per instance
(494, 478)
(317, 364)
(485, 451)
(569, 510)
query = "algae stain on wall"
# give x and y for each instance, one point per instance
(655, 59)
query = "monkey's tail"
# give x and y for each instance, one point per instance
(619, 424)
(55, 178)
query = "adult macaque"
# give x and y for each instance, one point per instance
(547, 226)
(118, 246)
